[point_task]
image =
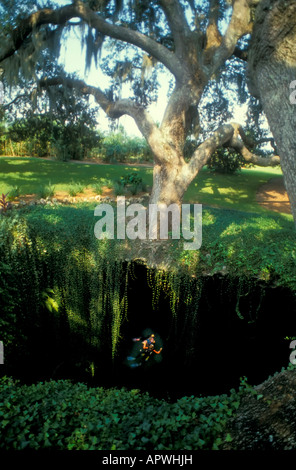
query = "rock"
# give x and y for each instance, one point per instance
(42, 201)
(54, 200)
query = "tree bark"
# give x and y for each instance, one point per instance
(272, 69)
(168, 188)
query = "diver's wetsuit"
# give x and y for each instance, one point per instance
(146, 352)
(148, 348)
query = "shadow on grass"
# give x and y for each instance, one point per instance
(29, 174)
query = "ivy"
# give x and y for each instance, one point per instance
(62, 415)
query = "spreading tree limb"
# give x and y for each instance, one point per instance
(229, 135)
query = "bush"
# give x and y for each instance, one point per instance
(46, 191)
(13, 193)
(119, 189)
(118, 147)
(62, 415)
(76, 188)
(132, 182)
(43, 135)
(225, 160)
(98, 187)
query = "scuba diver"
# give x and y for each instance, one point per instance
(148, 348)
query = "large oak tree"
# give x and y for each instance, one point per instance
(272, 78)
(193, 40)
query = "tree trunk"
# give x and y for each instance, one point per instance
(272, 68)
(167, 195)
(167, 189)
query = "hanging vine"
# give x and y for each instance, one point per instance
(89, 281)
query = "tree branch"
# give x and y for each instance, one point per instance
(177, 23)
(116, 109)
(181, 112)
(230, 135)
(213, 36)
(238, 143)
(79, 9)
(35, 20)
(15, 100)
(239, 25)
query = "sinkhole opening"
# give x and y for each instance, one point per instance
(207, 348)
(225, 333)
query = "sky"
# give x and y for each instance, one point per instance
(96, 78)
(74, 61)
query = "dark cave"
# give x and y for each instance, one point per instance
(209, 355)
(204, 355)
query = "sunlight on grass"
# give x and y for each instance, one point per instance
(18, 162)
(236, 191)
(31, 173)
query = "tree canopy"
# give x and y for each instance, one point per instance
(202, 46)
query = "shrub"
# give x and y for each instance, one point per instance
(118, 188)
(4, 202)
(107, 182)
(13, 193)
(46, 191)
(225, 160)
(98, 187)
(118, 147)
(76, 188)
(62, 415)
(132, 182)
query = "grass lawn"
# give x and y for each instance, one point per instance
(236, 191)
(29, 174)
(225, 191)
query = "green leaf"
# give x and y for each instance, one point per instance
(144, 440)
